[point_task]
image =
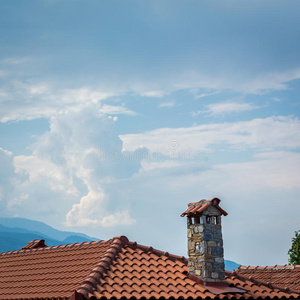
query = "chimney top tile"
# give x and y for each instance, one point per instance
(198, 207)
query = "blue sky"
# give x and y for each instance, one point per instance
(116, 114)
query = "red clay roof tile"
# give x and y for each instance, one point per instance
(286, 276)
(115, 269)
(198, 207)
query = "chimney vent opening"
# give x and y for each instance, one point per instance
(197, 219)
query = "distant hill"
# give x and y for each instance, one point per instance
(231, 265)
(15, 233)
(75, 239)
(42, 228)
(10, 240)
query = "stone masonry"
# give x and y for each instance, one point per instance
(205, 245)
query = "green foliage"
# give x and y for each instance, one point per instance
(294, 252)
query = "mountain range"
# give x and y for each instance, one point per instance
(16, 232)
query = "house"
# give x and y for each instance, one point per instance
(121, 269)
(287, 276)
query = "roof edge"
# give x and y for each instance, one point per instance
(24, 251)
(100, 269)
(173, 257)
(267, 268)
(289, 291)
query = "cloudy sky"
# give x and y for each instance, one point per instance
(116, 114)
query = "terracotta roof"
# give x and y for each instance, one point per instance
(116, 269)
(286, 276)
(198, 207)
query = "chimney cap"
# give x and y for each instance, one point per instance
(197, 207)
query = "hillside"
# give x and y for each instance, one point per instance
(43, 228)
(231, 265)
(16, 232)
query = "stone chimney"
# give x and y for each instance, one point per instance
(205, 242)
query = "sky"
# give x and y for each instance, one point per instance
(114, 115)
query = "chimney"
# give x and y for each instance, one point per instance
(205, 242)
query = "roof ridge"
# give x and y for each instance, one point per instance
(91, 281)
(260, 282)
(52, 247)
(173, 257)
(267, 268)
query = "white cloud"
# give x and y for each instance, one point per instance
(69, 168)
(22, 100)
(270, 81)
(154, 94)
(148, 164)
(167, 104)
(7, 175)
(206, 95)
(144, 90)
(271, 133)
(222, 108)
(85, 213)
(115, 110)
(27, 101)
(258, 83)
(24, 97)
(115, 119)
(270, 170)
(39, 169)
(118, 218)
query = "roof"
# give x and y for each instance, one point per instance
(116, 269)
(287, 276)
(200, 206)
